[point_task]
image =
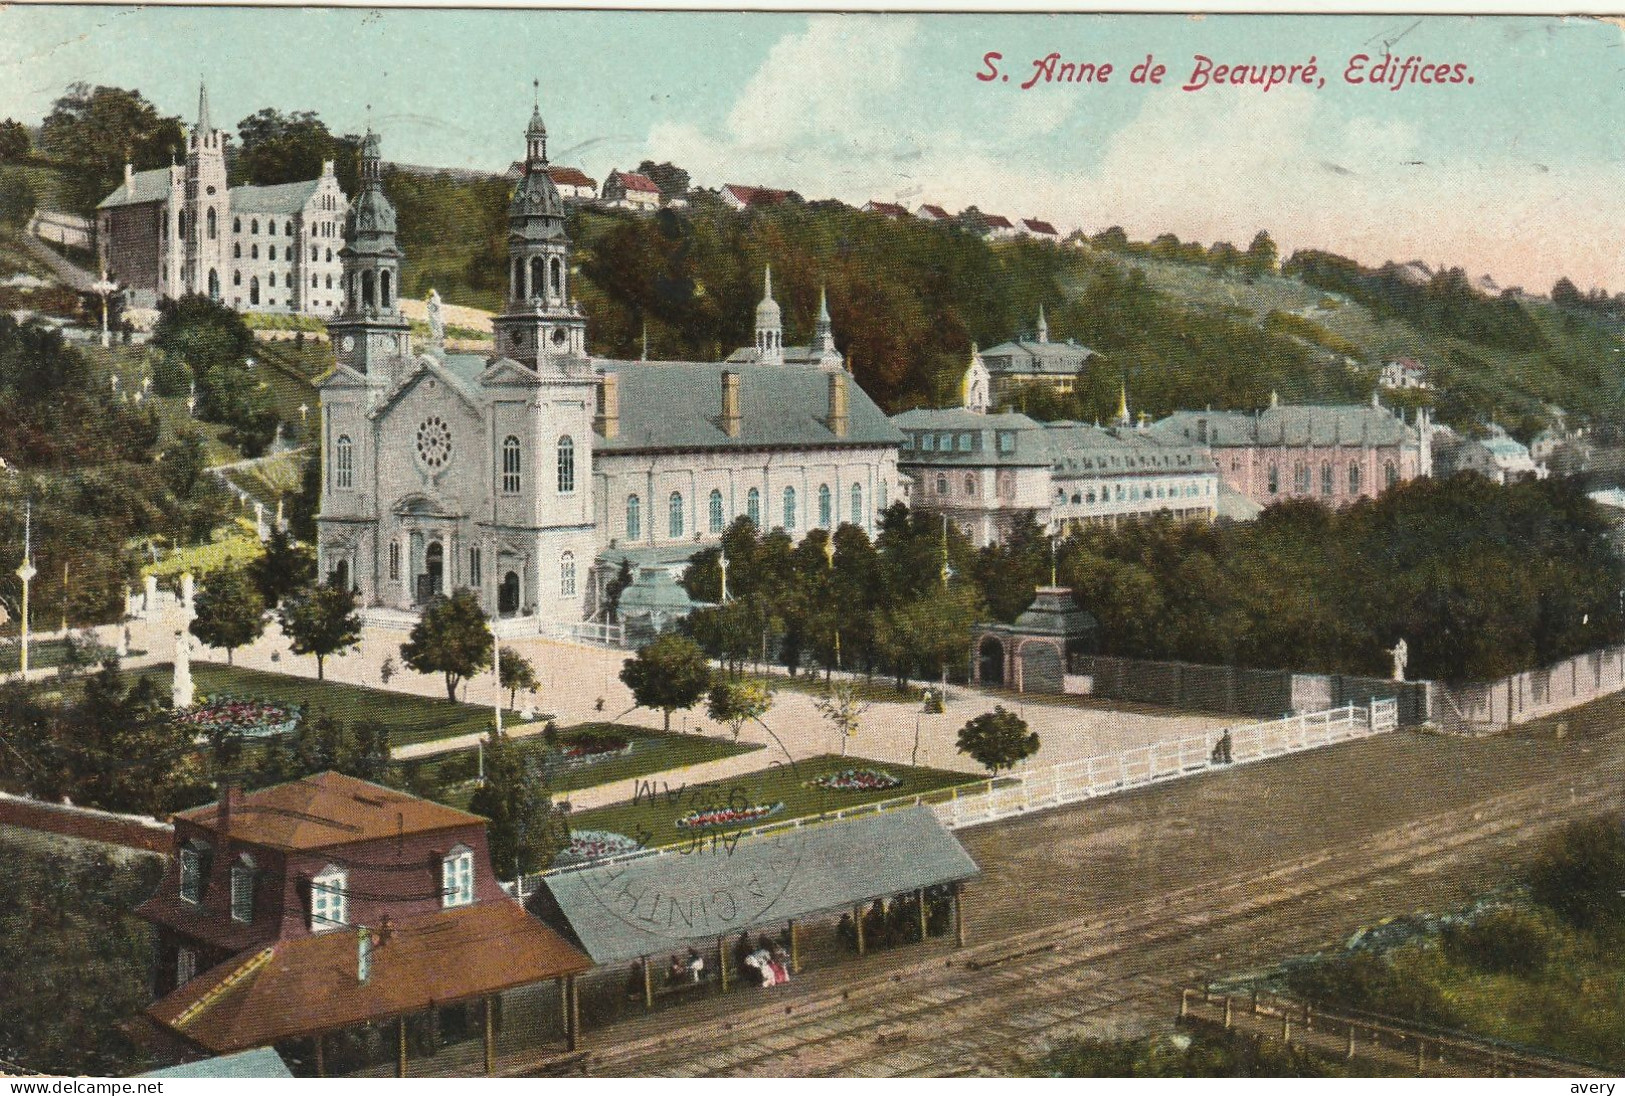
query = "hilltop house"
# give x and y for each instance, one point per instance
(886, 209)
(1041, 230)
(933, 213)
(740, 197)
(1403, 373)
(1022, 362)
(629, 190)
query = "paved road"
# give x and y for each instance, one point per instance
(1091, 917)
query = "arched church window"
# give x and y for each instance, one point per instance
(970, 485)
(790, 509)
(510, 465)
(270, 252)
(557, 277)
(1300, 478)
(287, 229)
(329, 254)
(236, 224)
(1354, 479)
(567, 465)
(254, 227)
(344, 462)
(634, 518)
(315, 252)
(1390, 474)
(674, 515)
(254, 290)
(823, 506)
(329, 280)
(942, 484)
(538, 276)
(236, 277)
(394, 561)
(368, 286)
(716, 511)
(517, 289)
(883, 496)
(857, 504)
(1327, 479)
(753, 507)
(237, 251)
(567, 575)
(214, 284)
(210, 220)
(383, 289)
(254, 251)
(1274, 479)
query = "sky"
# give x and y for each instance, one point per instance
(1516, 175)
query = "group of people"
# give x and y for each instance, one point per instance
(898, 921)
(766, 964)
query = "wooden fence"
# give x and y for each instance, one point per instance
(1351, 1036)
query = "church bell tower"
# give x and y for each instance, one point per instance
(542, 327)
(370, 335)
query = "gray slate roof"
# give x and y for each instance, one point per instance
(1023, 357)
(150, 186)
(1070, 448)
(1358, 424)
(262, 1062)
(612, 909)
(678, 405)
(285, 198)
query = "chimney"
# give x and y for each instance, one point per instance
(730, 403)
(223, 817)
(837, 404)
(609, 406)
(129, 179)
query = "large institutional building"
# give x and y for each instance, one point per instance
(178, 230)
(528, 476)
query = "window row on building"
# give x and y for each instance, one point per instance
(1132, 492)
(1303, 479)
(716, 518)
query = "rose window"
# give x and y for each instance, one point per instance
(434, 442)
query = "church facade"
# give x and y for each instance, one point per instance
(529, 475)
(178, 230)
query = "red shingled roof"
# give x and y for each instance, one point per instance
(330, 809)
(1042, 227)
(936, 211)
(888, 208)
(756, 195)
(570, 176)
(631, 180)
(311, 984)
(993, 220)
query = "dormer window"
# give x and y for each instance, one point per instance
(242, 890)
(457, 878)
(329, 900)
(191, 874)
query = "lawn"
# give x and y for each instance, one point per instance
(651, 817)
(410, 718)
(651, 752)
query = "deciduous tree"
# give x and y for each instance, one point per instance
(997, 739)
(230, 611)
(321, 621)
(669, 674)
(452, 637)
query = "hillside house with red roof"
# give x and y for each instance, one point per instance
(740, 197)
(574, 184)
(331, 903)
(1042, 230)
(932, 213)
(886, 209)
(629, 190)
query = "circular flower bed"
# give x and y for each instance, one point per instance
(594, 747)
(727, 816)
(588, 845)
(233, 715)
(858, 780)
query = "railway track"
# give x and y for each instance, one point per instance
(1116, 970)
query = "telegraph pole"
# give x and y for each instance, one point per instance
(26, 572)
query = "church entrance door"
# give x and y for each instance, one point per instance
(508, 594)
(432, 581)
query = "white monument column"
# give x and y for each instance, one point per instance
(187, 591)
(181, 691)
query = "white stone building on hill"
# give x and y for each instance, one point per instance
(173, 231)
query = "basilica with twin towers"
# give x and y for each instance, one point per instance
(530, 475)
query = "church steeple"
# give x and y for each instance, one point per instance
(202, 108)
(1043, 325)
(1123, 417)
(370, 333)
(542, 322)
(823, 330)
(769, 325)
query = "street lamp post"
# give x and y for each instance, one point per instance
(103, 289)
(26, 572)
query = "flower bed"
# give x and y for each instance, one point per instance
(589, 845)
(233, 715)
(594, 747)
(727, 816)
(858, 780)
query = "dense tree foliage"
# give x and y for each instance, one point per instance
(321, 621)
(230, 611)
(669, 675)
(213, 345)
(997, 740)
(78, 960)
(289, 148)
(525, 829)
(94, 131)
(15, 141)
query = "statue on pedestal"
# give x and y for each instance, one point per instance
(1402, 657)
(181, 690)
(437, 322)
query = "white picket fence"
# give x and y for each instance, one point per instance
(1087, 778)
(1091, 777)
